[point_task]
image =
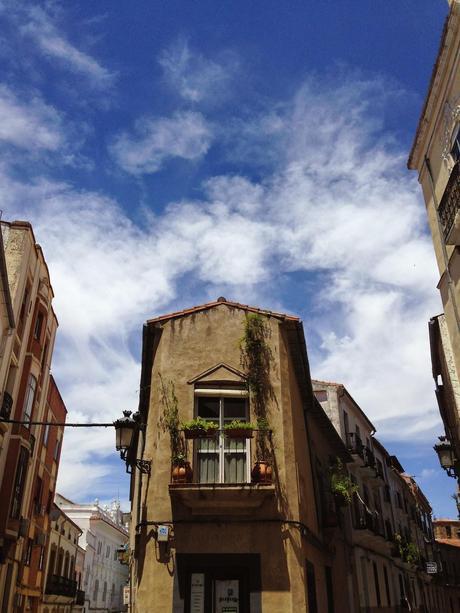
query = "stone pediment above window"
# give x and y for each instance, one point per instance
(219, 375)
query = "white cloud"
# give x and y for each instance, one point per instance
(427, 473)
(38, 24)
(339, 209)
(29, 123)
(195, 77)
(185, 135)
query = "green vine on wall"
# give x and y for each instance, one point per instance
(169, 421)
(408, 551)
(256, 359)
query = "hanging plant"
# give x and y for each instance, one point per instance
(256, 357)
(342, 486)
(169, 421)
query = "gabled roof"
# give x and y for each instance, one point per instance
(219, 302)
(219, 372)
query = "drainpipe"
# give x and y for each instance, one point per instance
(450, 283)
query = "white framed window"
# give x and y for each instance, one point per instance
(222, 459)
(29, 398)
(455, 144)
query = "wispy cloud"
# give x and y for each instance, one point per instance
(339, 210)
(153, 141)
(53, 43)
(195, 77)
(29, 123)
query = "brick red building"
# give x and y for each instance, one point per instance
(29, 454)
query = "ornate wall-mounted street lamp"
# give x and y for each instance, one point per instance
(446, 456)
(125, 427)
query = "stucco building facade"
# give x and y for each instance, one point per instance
(435, 155)
(63, 593)
(103, 533)
(214, 529)
(390, 528)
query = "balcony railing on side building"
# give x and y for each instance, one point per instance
(448, 210)
(61, 586)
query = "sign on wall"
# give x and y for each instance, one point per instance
(197, 593)
(126, 595)
(227, 596)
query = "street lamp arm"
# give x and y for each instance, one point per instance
(54, 423)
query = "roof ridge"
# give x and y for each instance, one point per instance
(219, 301)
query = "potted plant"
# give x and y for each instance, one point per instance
(262, 471)
(199, 428)
(239, 429)
(342, 486)
(181, 470)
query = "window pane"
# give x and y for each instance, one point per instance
(208, 467)
(29, 399)
(234, 408)
(235, 468)
(208, 408)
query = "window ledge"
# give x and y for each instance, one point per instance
(221, 498)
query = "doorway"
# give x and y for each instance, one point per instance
(218, 583)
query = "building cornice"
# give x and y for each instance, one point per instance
(434, 93)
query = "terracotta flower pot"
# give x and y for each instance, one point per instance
(239, 433)
(262, 472)
(182, 473)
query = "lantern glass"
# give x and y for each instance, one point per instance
(445, 458)
(124, 430)
(445, 453)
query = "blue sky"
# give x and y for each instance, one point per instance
(168, 153)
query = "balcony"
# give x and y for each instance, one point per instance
(224, 475)
(61, 586)
(80, 598)
(355, 446)
(369, 531)
(448, 210)
(7, 405)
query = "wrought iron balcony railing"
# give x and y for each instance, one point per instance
(449, 206)
(222, 459)
(61, 586)
(355, 444)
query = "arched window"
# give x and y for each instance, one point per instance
(96, 590)
(60, 560)
(52, 560)
(65, 572)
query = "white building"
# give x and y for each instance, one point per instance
(103, 533)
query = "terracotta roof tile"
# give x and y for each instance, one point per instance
(210, 305)
(327, 383)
